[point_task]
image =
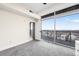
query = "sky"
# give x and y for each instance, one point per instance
(70, 22)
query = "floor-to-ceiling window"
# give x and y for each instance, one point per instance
(67, 29)
(47, 29)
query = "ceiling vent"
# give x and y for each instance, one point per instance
(44, 3)
(31, 11)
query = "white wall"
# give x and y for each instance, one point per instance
(14, 29)
(38, 29)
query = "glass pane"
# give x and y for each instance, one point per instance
(47, 30)
(67, 29)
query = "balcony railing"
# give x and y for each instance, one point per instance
(65, 37)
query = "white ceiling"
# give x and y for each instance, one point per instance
(40, 8)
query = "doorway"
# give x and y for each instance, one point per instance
(32, 30)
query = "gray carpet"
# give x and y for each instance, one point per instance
(38, 48)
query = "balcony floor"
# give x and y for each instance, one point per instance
(38, 48)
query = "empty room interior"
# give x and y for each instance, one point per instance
(39, 29)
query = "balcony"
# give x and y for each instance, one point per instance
(63, 37)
